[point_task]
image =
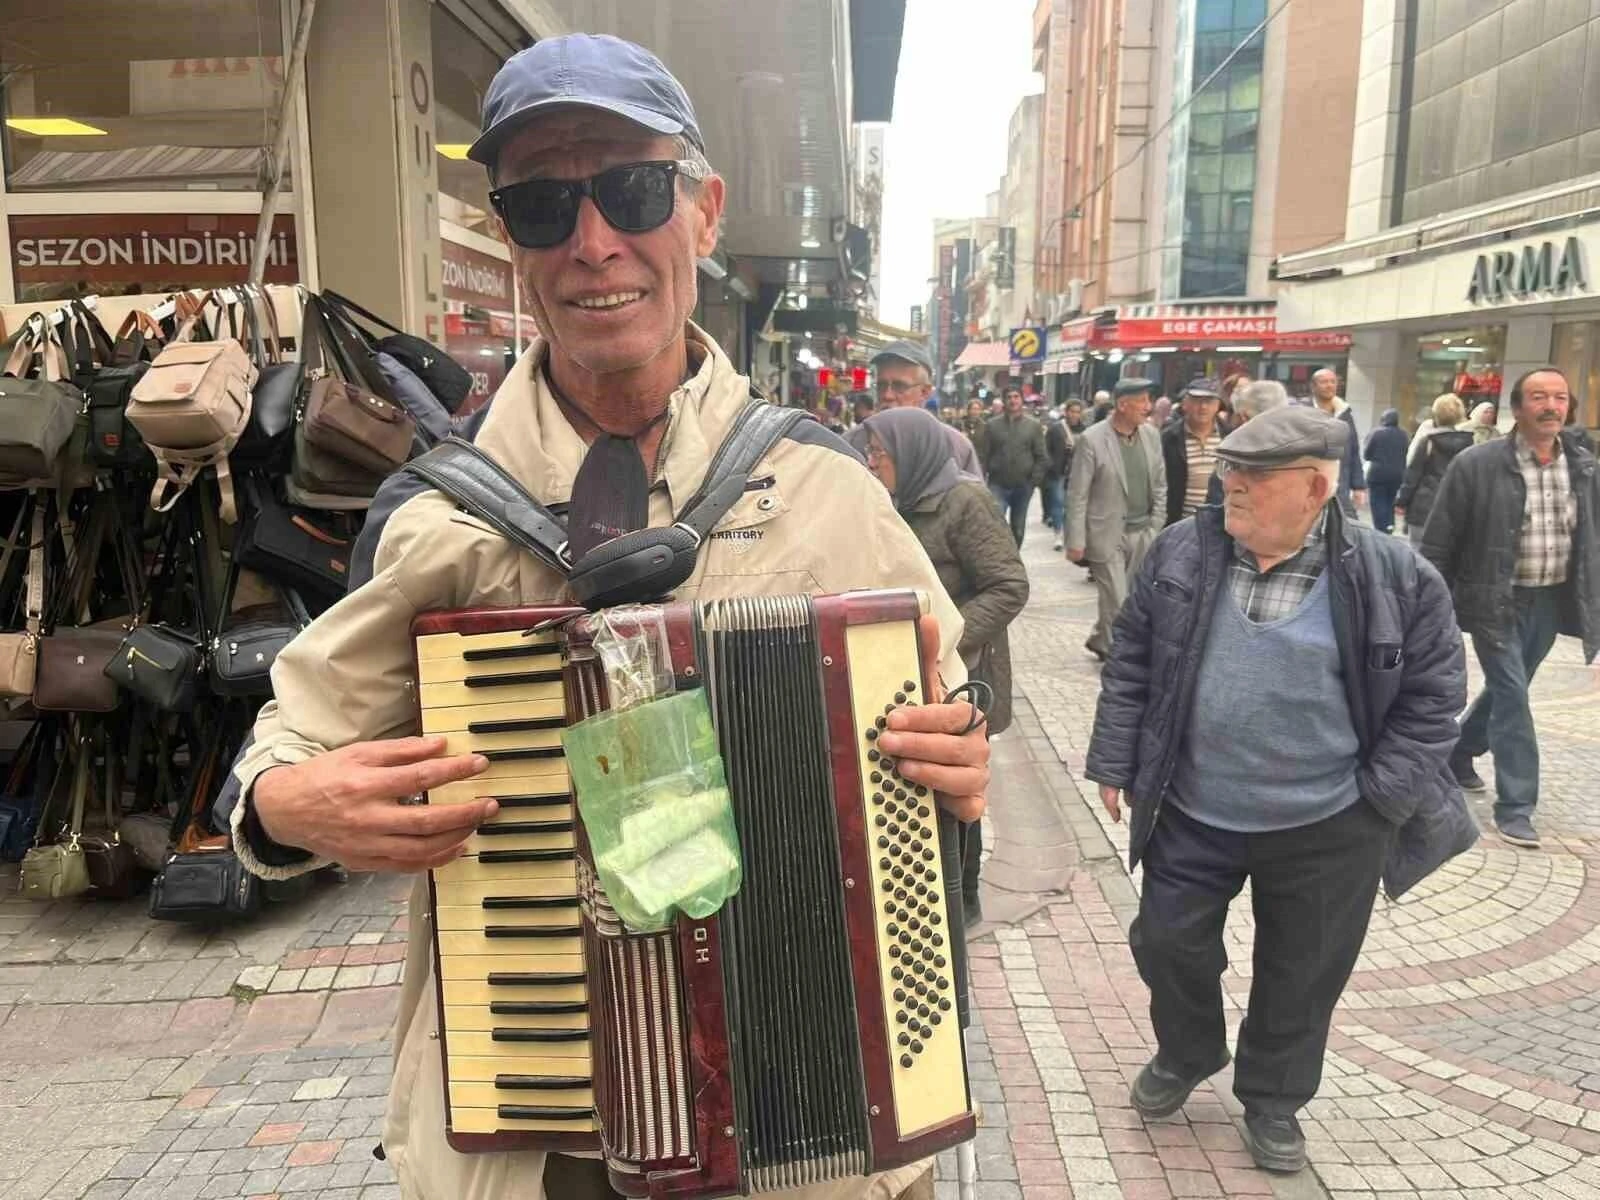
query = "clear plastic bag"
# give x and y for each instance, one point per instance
(654, 800)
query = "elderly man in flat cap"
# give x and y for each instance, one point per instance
(905, 380)
(1279, 706)
(1117, 501)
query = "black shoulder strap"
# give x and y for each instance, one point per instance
(482, 487)
(755, 432)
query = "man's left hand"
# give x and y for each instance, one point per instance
(929, 748)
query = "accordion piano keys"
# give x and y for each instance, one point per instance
(514, 1005)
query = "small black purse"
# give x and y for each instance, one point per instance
(291, 550)
(204, 885)
(269, 434)
(160, 665)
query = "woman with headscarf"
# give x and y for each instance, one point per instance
(1485, 423)
(1426, 470)
(1386, 467)
(971, 547)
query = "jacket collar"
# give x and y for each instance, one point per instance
(529, 435)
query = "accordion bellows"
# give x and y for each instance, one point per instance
(810, 1029)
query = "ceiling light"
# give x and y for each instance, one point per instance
(454, 150)
(810, 243)
(53, 127)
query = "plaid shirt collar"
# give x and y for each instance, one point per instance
(1271, 595)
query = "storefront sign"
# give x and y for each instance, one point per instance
(1027, 344)
(1503, 276)
(1137, 332)
(159, 248)
(475, 277)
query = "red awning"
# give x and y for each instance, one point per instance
(984, 354)
(1205, 325)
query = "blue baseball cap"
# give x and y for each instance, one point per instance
(585, 70)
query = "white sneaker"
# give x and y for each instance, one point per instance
(1058, 545)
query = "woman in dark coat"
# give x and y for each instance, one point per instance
(1448, 439)
(971, 547)
(1386, 467)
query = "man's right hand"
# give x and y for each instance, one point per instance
(345, 805)
(1075, 554)
(1111, 798)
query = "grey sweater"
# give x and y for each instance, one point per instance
(1270, 744)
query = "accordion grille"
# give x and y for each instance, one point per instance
(795, 1052)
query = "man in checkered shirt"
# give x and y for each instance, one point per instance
(1513, 532)
(1278, 706)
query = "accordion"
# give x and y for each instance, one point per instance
(807, 1031)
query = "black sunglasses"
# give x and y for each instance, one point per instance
(633, 198)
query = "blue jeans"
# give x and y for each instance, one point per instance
(1013, 504)
(1499, 719)
(1053, 495)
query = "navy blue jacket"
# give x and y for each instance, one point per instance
(1404, 668)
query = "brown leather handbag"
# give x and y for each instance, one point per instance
(71, 675)
(353, 424)
(113, 869)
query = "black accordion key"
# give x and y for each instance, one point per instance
(535, 978)
(524, 856)
(502, 1034)
(515, 680)
(513, 828)
(532, 931)
(532, 902)
(542, 1083)
(528, 1112)
(527, 726)
(560, 800)
(520, 754)
(536, 1008)
(504, 653)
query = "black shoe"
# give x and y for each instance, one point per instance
(1159, 1092)
(1470, 780)
(971, 911)
(1276, 1143)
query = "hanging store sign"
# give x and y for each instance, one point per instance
(153, 249)
(1539, 268)
(1027, 344)
(475, 277)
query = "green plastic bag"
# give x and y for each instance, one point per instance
(654, 801)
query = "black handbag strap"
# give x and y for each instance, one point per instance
(347, 306)
(481, 486)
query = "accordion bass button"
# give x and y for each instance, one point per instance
(906, 1060)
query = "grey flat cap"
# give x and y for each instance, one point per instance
(1281, 435)
(1203, 386)
(914, 353)
(1133, 386)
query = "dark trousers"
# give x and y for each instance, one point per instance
(1013, 502)
(1500, 718)
(1311, 893)
(971, 857)
(1053, 498)
(1381, 497)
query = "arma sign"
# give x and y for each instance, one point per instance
(1542, 268)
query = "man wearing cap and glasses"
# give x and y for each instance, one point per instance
(905, 380)
(1190, 446)
(1116, 501)
(601, 181)
(1279, 707)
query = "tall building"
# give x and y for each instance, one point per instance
(1470, 250)
(957, 243)
(1019, 212)
(1184, 174)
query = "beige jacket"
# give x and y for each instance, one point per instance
(825, 525)
(1097, 489)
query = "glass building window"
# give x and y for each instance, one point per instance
(1575, 348)
(165, 95)
(1221, 171)
(1468, 362)
(462, 69)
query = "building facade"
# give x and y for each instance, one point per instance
(134, 148)
(1471, 240)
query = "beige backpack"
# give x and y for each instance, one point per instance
(190, 408)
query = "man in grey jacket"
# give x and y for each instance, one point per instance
(1117, 501)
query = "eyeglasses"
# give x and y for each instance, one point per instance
(897, 387)
(1255, 474)
(633, 198)
(876, 454)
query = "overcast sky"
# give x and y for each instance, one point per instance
(963, 67)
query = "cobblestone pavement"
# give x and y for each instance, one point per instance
(140, 1060)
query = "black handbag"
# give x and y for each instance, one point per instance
(204, 885)
(242, 657)
(268, 436)
(446, 378)
(113, 442)
(291, 550)
(160, 665)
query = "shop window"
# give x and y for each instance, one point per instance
(1575, 348)
(165, 95)
(463, 66)
(1468, 362)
